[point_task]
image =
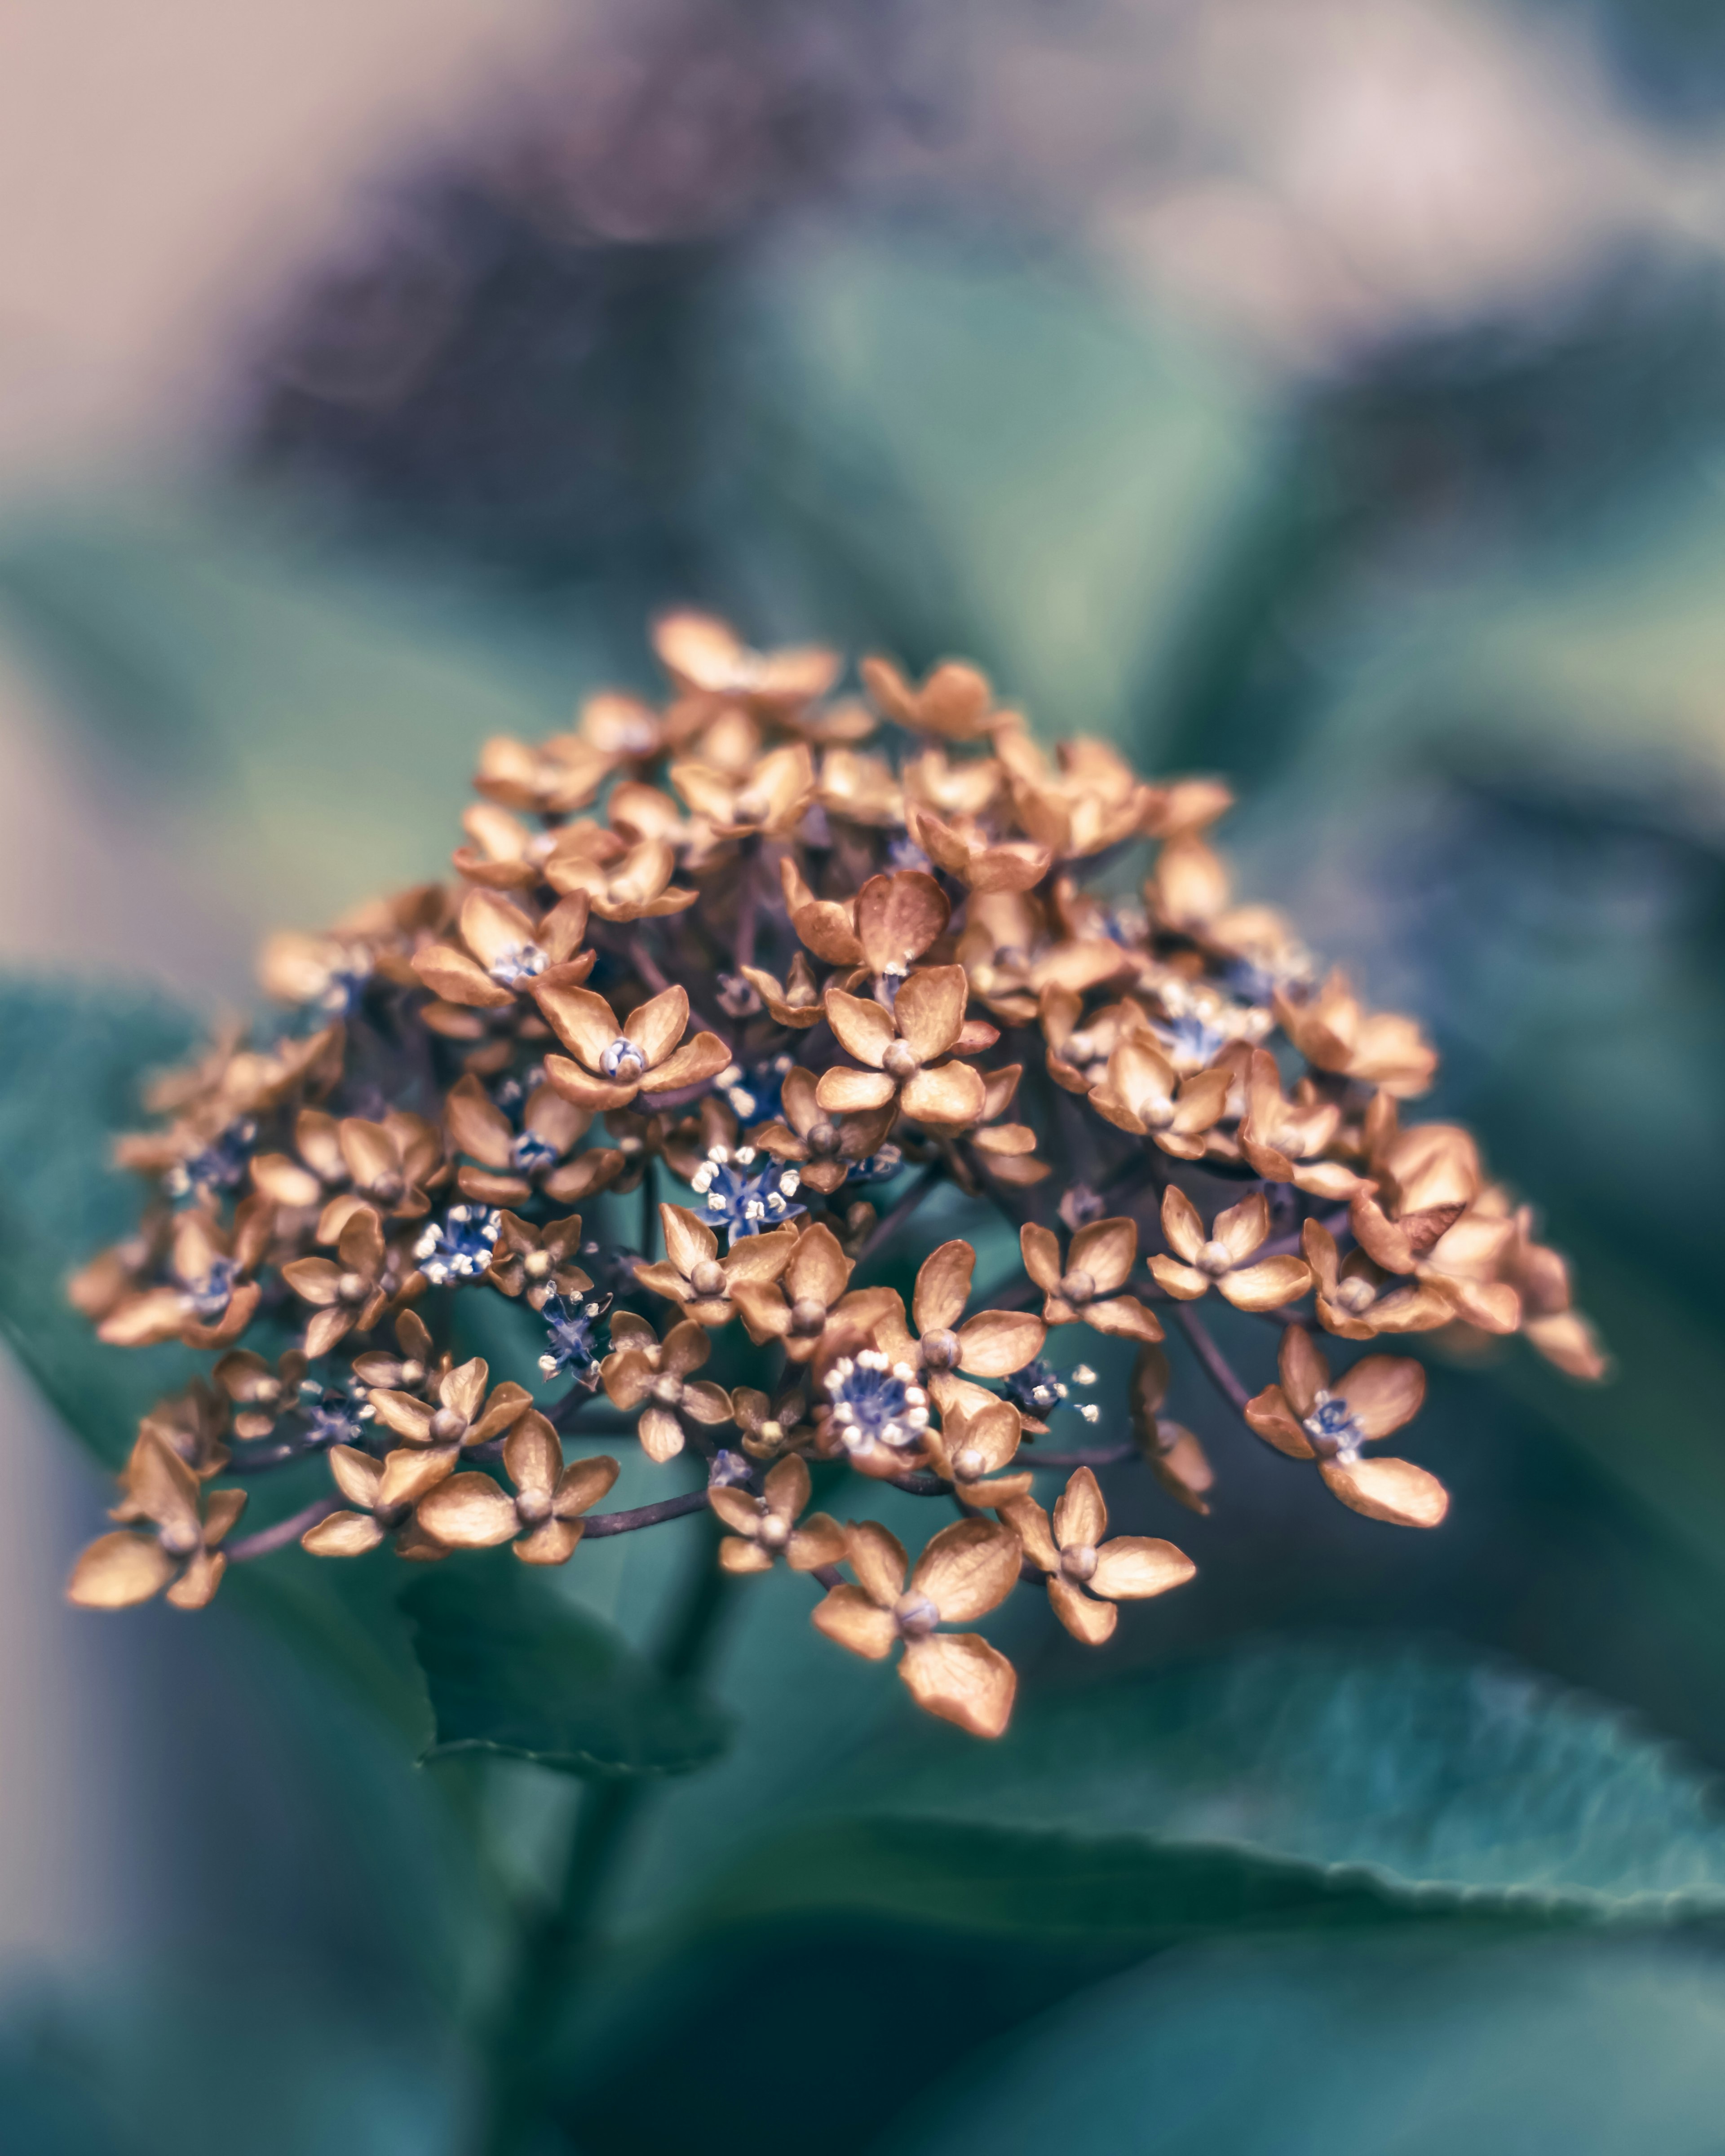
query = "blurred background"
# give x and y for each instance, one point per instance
(1324, 392)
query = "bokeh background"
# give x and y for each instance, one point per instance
(1324, 392)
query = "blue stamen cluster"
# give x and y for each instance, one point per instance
(746, 1192)
(457, 1247)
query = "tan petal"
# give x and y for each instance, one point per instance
(962, 1679)
(582, 1484)
(656, 1026)
(1395, 1490)
(1183, 1282)
(356, 1475)
(864, 1029)
(162, 1487)
(706, 1403)
(703, 1057)
(1134, 1567)
(765, 1312)
(897, 917)
(760, 1258)
(313, 1279)
(819, 1269)
(477, 1125)
(820, 1540)
(1123, 1318)
(968, 1568)
(1030, 1524)
(661, 1435)
(996, 1343)
(407, 1416)
(585, 1023)
(1080, 1517)
(1267, 1286)
(408, 1475)
(1241, 1228)
(843, 1092)
(1382, 1392)
(1181, 1224)
(1041, 1251)
(877, 1558)
(585, 1091)
(1304, 1371)
(1091, 1622)
(942, 1287)
(1105, 1249)
(533, 1455)
(1271, 1416)
(224, 1509)
(196, 1585)
(552, 1542)
(736, 1555)
(118, 1570)
(950, 1093)
(458, 979)
(688, 1240)
(285, 1182)
(469, 1511)
(847, 1615)
(342, 1534)
(787, 1487)
(929, 1011)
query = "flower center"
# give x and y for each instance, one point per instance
(458, 1247)
(774, 1531)
(1215, 1258)
(449, 1426)
(916, 1615)
(822, 1139)
(353, 1287)
(900, 1061)
(808, 1317)
(621, 1060)
(1079, 1563)
(748, 1194)
(708, 1279)
(1078, 1286)
(520, 962)
(1331, 1426)
(532, 1507)
(1355, 1294)
(940, 1348)
(876, 1402)
(667, 1389)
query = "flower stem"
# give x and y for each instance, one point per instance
(555, 1947)
(1217, 1367)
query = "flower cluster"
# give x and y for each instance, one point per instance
(817, 959)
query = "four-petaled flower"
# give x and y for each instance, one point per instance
(967, 1570)
(371, 1521)
(825, 1147)
(464, 1414)
(764, 1528)
(514, 1163)
(641, 1367)
(1222, 1259)
(543, 1517)
(1088, 1286)
(617, 1061)
(183, 1556)
(901, 1048)
(1307, 1418)
(710, 1288)
(1087, 1576)
(795, 1302)
(1333, 1033)
(538, 1262)
(350, 1291)
(1144, 1094)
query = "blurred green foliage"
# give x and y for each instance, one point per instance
(1321, 1853)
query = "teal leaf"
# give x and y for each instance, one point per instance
(1336, 1782)
(514, 1667)
(1424, 2043)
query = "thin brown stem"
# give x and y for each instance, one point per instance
(269, 1539)
(644, 1516)
(890, 1223)
(1217, 1367)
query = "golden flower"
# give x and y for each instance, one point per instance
(352, 1291)
(1008, 1150)
(710, 1288)
(192, 1423)
(1280, 1138)
(465, 1414)
(764, 1528)
(954, 701)
(1087, 1576)
(967, 1570)
(825, 1146)
(860, 789)
(211, 1298)
(1222, 1260)
(1088, 1288)
(992, 1343)
(538, 1262)
(360, 1479)
(542, 1518)
(1333, 1033)
(1093, 801)
(617, 1062)
(416, 1367)
(966, 786)
(632, 885)
(793, 1002)
(389, 1166)
(977, 1435)
(1541, 1278)
(901, 1048)
(1079, 1056)
(1187, 889)
(770, 1427)
(1172, 1453)
(501, 852)
(515, 1163)
(1426, 1177)
(1357, 1300)
(183, 1556)
(508, 951)
(640, 1367)
(885, 928)
(805, 1288)
(562, 775)
(1007, 949)
(1308, 1419)
(770, 797)
(261, 1392)
(706, 657)
(1143, 1093)
(966, 849)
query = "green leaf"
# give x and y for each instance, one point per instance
(1328, 1783)
(514, 1667)
(1423, 2043)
